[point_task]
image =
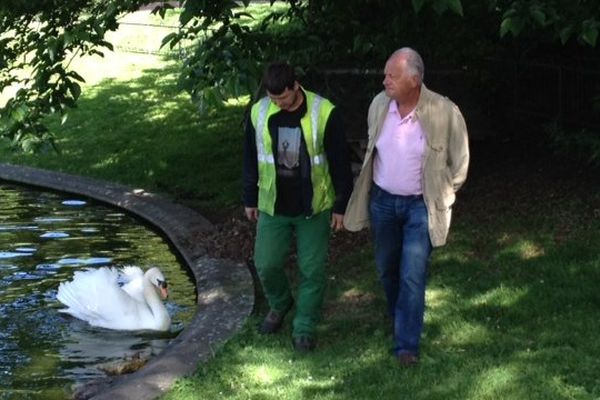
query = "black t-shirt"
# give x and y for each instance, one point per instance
(290, 160)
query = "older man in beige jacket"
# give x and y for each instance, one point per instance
(416, 159)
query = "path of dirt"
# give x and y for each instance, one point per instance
(514, 175)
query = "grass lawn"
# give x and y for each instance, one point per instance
(135, 127)
(512, 299)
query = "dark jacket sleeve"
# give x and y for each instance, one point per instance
(250, 169)
(338, 158)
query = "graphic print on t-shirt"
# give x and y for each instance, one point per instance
(288, 149)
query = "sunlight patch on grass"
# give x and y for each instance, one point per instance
(443, 302)
(513, 244)
(160, 114)
(123, 67)
(530, 250)
(312, 382)
(451, 255)
(460, 334)
(568, 391)
(264, 375)
(112, 159)
(524, 249)
(274, 375)
(438, 297)
(502, 296)
(494, 382)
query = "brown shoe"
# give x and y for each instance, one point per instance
(272, 321)
(408, 359)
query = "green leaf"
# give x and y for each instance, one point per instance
(172, 39)
(68, 37)
(589, 31)
(590, 36)
(538, 16)
(75, 76)
(97, 28)
(235, 28)
(106, 44)
(418, 5)
(512, 25)
(162, 9)
(505, 27)
(511, 12)
(565, 33)
(75, 89)
(440, 6)
(19, 114)
(456, 6)
(51, 47)
(185, 17)
(243, 14)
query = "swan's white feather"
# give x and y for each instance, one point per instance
(95, 296)
(133, 282)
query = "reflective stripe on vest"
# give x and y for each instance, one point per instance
(267, 157)
(314, 116)
(263, 156)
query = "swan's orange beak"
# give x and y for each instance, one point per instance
(164, 293)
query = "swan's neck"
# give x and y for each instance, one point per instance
(156, 305)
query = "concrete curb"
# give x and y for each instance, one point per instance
(225, 289)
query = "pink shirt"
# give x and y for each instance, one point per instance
(398, 164)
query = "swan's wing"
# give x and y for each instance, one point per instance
(131, 272)
(133, 282)
(83, 293)
(94, 295)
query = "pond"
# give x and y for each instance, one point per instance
(44, 238)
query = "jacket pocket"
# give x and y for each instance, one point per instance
(436, 147)
(437, 156)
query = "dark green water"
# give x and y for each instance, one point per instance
(44, 238)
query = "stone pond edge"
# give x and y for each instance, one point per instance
(225, 288)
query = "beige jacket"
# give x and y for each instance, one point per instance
(445, 161)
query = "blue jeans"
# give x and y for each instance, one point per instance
(402, 250)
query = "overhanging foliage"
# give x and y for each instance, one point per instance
(39, 38)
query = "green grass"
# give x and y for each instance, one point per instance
(512, 299)
(133, 126)
(516, 321)
(515, 325)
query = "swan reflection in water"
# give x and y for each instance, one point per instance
(85, 352)
(126, 299)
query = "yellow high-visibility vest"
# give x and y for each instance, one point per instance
(313, 125)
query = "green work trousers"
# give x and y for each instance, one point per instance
(273, 239)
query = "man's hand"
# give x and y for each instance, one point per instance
(251, 213)
(337, 221)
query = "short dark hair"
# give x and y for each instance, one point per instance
(279, 76)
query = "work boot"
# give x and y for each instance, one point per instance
(304, 344)
(272, 321)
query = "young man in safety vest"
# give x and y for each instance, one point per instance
(297, 179)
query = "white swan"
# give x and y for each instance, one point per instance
(95, 296)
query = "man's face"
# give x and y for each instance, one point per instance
(289, 99)
(398, 82)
